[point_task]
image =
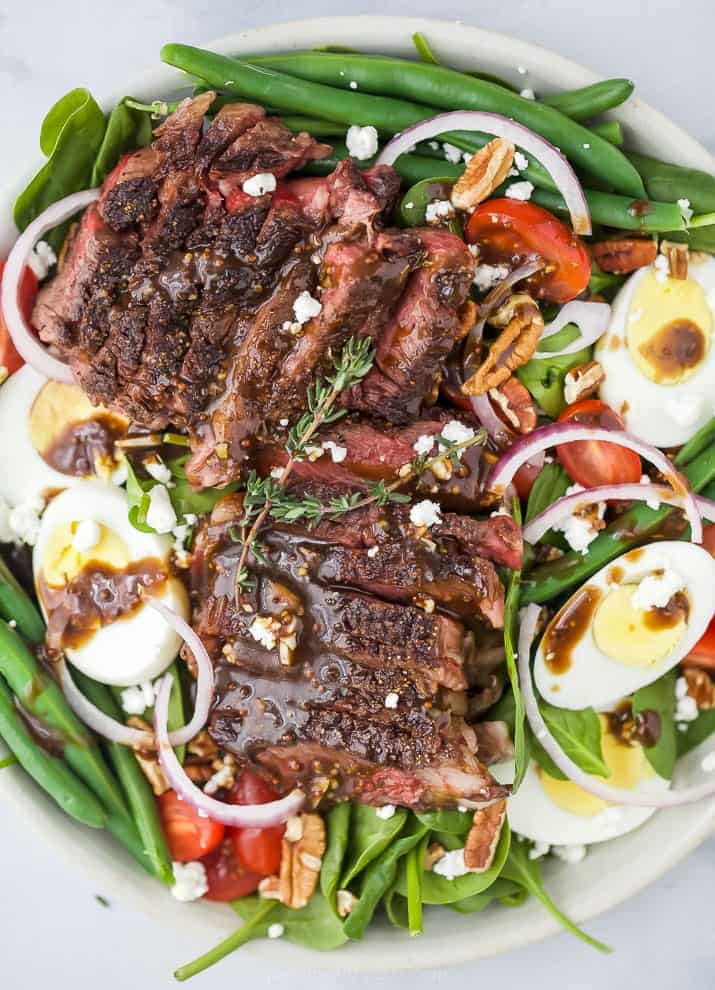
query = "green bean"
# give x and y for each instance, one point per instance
(704, 438)
(51, 773)
(434, 86)
(580, 104)
(670, 183)
(16, 604)
(618, 211)
(125, 832)
(635, 526)
(43, 698)
(314, 126)
(136, 786)
(609, 130)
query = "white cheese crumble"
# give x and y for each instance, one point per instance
(587, 146)
(386, 811)
(259, 185)
(685, 210)
(467, 157)
(452, 154)
(708, 762)
(580, 530)
(425, 513)
(451, 865)
(423, 444)
(569, 854)
(139, 697)
(275, 930)
(306, 307)
(373, 551)
(437, 210)
(190, 881)
(353, 84)
(86, 536)
(223, 777)
(346, 901)
(652, 503)
(277, 473)
(538, 850)
(160, 515)
(392, 699)
(662, 268)
(521, 161)
(456, 432)
(24, 520)
(486, 276)
(337, 452)
(42, 258)
(6, 533)
(521, 69)
(656, 590)
(263, 630)
(686, 707)
(158, 471)
(434, 145)
(361, 141)
(520, 190)
(685, 410)
(409, 206)
(528, 94)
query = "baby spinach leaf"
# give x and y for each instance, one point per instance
(659, 697)
(511, 618)
(314, 926)
(697, 731)
(370, 835)
(70, 138)
(396, 908)
(454, 822)
(544, 377)
(138, 498)
(550, 485)
(127, 130)
(184, 498)
(578, 733)
(500, 890)
(255, 927)
(527, 873)
(337, 826)
(418, 197)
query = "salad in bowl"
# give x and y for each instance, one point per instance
(357, 512)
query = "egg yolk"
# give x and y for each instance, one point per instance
(632, 636)
(628, 766)
(62, 561)
(669, 327)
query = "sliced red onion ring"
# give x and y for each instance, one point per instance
(484, 411)
(95, 719)
(523, 450)
(556, 164)
(592, 319)
(499, 294)
(613, 795)
(242, 815)
(28, 346)
(563, 507)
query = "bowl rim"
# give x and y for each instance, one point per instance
(100, 857)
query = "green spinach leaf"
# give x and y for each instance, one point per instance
(550, 485)
(700, 729)
(314, 926)
(501, 890)
(127, 130)
(454, 822)
(185, 499)
(370, 835)
(337, 826)
(604, 283)
(659, 697)
(544, 377)
(578, 733)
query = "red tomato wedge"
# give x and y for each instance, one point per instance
(189, 836)
(594, 462)
(226, 877)
(257, 849)
(508, 231)
(9, 358)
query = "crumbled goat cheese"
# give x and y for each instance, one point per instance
(6, 533)
(277, 473)
(263, 629)
(87, 535)
(456, 432)
(314, 450)
(486, 276)
(158, 471)
(12, 623)
(284, 422)
(685, 410)
(305, 307)
(24, 520)
(373, 552)
(353, 84)
(521, 70)
(686, 707)
(259, 185)
(392, 699)
(662, 268)
(451, 865)
(538, 850)
(434, 145)
(467, 157)
(580, 530)
(42, 258)
(569, 854)
(386, 811)
(409, 206)
(275, 930)
(361, 141)
(160, 515)
(423, 444)
(190, 881)
(435, 211)
(499, 512)
(337, 453)
(521, 161)
(139, 697)
(708, 762)
(587, 146)
(452, 154)
(346, 901)
(528, 94)
(652, 503)
(656, 590)
(223, 777)
(685, 210)
(425, 513)
(520, 190)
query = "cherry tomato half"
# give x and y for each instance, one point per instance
(226, 877)
(594, 462)
(189, 836)
(703, 653)
(508, 231)
(9, 358)
(257, 849)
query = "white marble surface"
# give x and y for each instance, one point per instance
(52, 929)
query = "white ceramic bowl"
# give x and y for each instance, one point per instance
(611, 872)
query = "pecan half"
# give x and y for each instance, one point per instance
(516, 404)
(678, 257)
(433, 853)
(701, 687)
(148, 760)
(484, 835)
(485, 170)
(624, 255)
(523, 324)
(301, 859)
(582, 381)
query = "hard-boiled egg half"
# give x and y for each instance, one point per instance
(88, 563)
(52, 436)
(560, 813)
(631, 623)
(658, 354)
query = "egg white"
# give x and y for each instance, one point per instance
(141, 646)
(595, 679)
(642, 403)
